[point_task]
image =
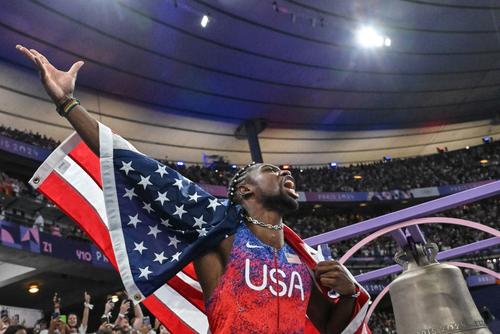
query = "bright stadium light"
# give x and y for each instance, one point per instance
(333, 164)
(369, 38)
(204, 21)
(33, 288)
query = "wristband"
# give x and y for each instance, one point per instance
(121, 315)
(88, 305)
(64, 108)
(356, 294)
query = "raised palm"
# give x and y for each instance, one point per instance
(58, 84)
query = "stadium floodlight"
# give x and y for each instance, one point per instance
(368, 37)
(204, 21)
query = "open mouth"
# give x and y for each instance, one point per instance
(289, 186)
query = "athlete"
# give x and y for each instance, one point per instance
(252, 282)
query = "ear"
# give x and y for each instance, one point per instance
(245, 190)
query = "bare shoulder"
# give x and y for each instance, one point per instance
(211, 266)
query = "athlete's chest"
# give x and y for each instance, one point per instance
(258, 268)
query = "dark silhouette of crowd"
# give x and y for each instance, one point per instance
(444, 168)
(29, 137)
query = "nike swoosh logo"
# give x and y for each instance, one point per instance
(249, 245)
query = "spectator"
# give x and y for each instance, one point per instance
(15, 329)
(73, 318)
(39, 221)
(56, 230)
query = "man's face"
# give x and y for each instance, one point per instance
(72, 320)
(273, 187)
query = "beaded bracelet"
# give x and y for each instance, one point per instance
(64, 108)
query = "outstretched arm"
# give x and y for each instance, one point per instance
(60, 86)
(86, 311)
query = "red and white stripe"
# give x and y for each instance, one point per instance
(71, 178)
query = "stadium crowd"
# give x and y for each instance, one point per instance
(29, 137)
(121, 316)
(445, 168)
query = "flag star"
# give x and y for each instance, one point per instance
(199, 222)
(165, 222)
(162, 170)
(147, 207)
(202, 232)
(127, 167)
(129, 193)
(139, 247)
(145, 181)
(162, 197)
(160, 257)
(154, 230)
(134, 220)
(194, 197)
(173, 241)
(176, 256)
(214, 203)
(179, 211)
(178, 183)
(145, 272)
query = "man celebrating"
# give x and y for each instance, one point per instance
(253, 281)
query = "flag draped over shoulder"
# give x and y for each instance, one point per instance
(150, 222)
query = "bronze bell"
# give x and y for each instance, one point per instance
(432, 298)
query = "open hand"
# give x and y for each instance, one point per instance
(57, 301)
(108, 306)
(86, 297)
(331, 275)
(58, 84)
(124, 306)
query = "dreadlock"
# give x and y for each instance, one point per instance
(237, 179)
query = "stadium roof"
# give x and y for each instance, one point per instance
(294, 63)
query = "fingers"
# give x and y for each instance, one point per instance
(76, 67)
(26, 52)
(326, 266)
(39, 55)
(43, 73)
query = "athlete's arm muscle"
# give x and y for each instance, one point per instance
(210, 266)
(326, 316)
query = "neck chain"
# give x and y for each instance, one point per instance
(269, 226)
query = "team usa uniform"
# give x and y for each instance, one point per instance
(263, 289)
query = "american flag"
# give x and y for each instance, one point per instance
(150, 222)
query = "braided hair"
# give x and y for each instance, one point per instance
(237, 179)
